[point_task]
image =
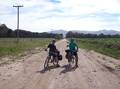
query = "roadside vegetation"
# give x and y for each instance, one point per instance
(107, 46)
(28, 40)
(9, 46)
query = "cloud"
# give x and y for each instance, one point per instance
(54, 1)
(43, 15)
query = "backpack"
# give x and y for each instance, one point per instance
(60, 57)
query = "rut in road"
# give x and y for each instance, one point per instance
(95, 71)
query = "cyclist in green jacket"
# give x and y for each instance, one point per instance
(74, 49)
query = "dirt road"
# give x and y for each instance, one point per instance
(95, 71)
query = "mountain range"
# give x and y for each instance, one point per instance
(105, 32)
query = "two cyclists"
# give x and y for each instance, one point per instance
(53, 52)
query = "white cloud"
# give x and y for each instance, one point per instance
(42, 15)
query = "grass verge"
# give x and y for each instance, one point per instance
(107, 46)
(8, 46)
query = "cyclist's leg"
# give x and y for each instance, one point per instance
(76, 59)
(49, 57)
(53, 58)
(69, 56)
(56, 60)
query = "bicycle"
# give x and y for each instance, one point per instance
(71, 58)
(50, 59)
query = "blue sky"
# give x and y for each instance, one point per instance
(47, 15)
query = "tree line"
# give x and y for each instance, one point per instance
(71, 34)
(6, 32)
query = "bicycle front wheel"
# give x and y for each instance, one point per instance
(46, 63)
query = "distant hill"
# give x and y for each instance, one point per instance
(3, 28)
(5, 31)
(59, 32)
(105, 32)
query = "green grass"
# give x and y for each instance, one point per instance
(107, 46)
(8, 46)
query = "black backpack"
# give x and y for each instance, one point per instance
(60, 57)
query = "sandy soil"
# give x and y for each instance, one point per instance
(95, 71)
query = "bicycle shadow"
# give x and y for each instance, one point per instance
(67, 68)
(47, 69)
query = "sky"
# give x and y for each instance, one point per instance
(49, 15)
